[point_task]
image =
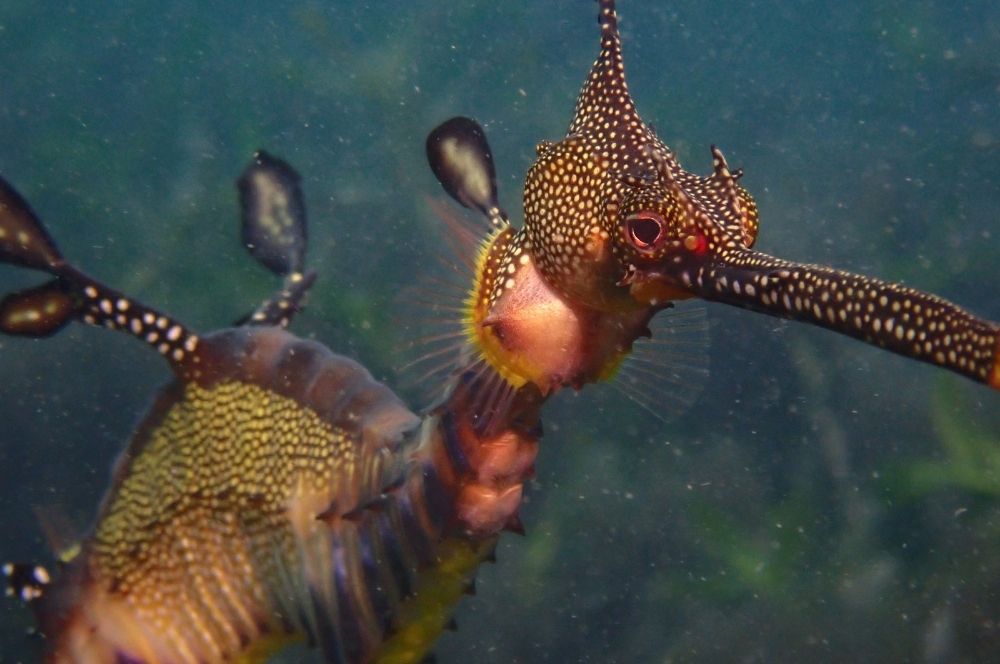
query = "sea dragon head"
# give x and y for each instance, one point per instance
(615, 231)
(560, 301)
(609, 204)
(525, 325)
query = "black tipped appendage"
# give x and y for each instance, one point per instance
(274, 214)
(23, 239)
(274, 232)
(39, 311)
(43, 310)
(460, 157)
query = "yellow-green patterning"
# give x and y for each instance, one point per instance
(210, 540)
(275, 491)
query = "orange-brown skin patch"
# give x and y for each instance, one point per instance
(655, 291)
(995, 376)
(484, 510)
(597, 245)
(486, 471)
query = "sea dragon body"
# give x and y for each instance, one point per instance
(275, 491)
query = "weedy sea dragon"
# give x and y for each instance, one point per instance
(275, 491)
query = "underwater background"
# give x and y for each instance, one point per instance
(820, 500)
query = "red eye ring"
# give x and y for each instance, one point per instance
(645, 230)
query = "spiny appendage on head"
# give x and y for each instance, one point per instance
(611, 165)
(614, 221)
(679, 213)
(574, 186)
(688, 236)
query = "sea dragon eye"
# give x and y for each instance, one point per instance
(645, 231)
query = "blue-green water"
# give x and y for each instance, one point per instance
(820, 501)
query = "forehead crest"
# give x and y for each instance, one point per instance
(605, 96)
(580, 190)
(605, 114)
